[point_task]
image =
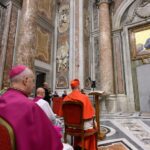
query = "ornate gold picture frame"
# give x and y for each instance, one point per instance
(140, 42)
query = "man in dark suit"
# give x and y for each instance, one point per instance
(47, 92)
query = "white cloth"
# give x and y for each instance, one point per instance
(48, 111)
(67, 146)
(88, 124)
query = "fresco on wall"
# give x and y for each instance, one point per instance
(45, 8)
(62, 53)
(43, 45)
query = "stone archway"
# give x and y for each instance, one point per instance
(121, 25)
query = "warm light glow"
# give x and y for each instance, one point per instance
(142, 36)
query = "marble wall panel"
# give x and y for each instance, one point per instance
(25, 49)
(118, 63)
(2, 20)
(97, 62)
(77, 63)
(86, 45)
(43, 44)
(46, 8)
(10, 46)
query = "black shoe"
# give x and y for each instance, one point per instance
(77, 148)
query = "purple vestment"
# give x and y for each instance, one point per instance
(37, 98)
(33, 130)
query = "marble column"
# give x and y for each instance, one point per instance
(26, 44)
(106, 63)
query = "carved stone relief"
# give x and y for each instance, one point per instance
(138, 11)
(61, 81)
(43, 45)
(62, 63)
(63, 23)
(62, 53)
(143, 11)
(62, 58)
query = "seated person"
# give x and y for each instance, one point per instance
(64, 94)
(31, 132)
(87, 113)
(82, 91)
(40, 93)
(55, 94)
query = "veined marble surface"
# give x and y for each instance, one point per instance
(125, 131)
(132, 130)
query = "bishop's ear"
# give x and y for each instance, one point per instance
(25, 80)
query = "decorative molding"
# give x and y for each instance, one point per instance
(119, 13)
(5, 34)
(98, 2)
(42, 65)
(95, 18)
(16, 2)
(45, 23)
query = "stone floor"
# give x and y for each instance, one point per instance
(125, 131)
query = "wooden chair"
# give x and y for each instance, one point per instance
(74, 122)
(7, 138)
(57, 105)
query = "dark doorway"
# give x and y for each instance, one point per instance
(40, 79)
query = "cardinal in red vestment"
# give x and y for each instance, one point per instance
(88, 112)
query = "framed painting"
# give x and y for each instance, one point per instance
(140, 42)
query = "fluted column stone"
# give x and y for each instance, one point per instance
(106, 62)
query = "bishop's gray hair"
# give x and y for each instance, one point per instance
(26, 73)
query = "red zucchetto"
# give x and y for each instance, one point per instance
(74, 83)
(16, 70)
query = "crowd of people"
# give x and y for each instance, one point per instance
(34, 123)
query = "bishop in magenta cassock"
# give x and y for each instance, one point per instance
(33, 130)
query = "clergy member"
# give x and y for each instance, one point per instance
(88, 112)
(33, 130)
(40, 94)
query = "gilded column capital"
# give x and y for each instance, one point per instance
(98, 2)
